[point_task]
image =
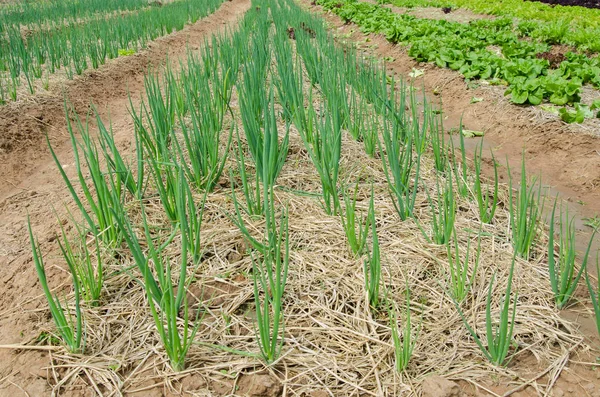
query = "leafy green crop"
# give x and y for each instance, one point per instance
(576, 115)
(575, 26)
(483, 49)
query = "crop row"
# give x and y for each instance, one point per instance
(185, 132)
(76, 48)
(37, 13)
(466, 49)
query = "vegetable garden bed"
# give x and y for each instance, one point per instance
(289, 205)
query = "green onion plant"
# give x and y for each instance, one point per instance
(270, 262)
(404, 342)
(134, 183)
(459, 280)
(372, 264)
(69, 329)
(460, 171)
(563, 273)
(87, 266)
(398, 166)
(525, 208)
(499, 335)
(324, 148)
(206, 100)
(437, 139)
(104, 192)
(595, 292)
(166, 316)
(356, 229)
(443, 211)
(487, 199)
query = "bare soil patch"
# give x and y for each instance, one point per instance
(556, 55)
(460, 15)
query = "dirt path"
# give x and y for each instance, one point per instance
(30, 183)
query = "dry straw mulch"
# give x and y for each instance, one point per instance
(333, 341)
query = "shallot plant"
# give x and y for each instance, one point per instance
(487, 199)
(404, 341)
(564, 275)
(499, 335)
(525, 207)
(356, 228)
(69, 327)
(372, 264)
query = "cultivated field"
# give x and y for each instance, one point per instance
(278, 197)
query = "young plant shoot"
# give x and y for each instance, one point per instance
(69, 329)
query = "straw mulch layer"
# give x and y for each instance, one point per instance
(334, 343)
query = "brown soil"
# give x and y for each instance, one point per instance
(556, 55)
(567, 158)
(460, 15)
(31, 185)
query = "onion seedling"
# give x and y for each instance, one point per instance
(90, 275)
(289, 83)
(563, 275)
(324, 148)
(156, 118)
(106, 192)
(459, 280)
(404, 342)
(270, 264)
(372, 265)
(460, 174)
(443, 212)
(356, 229)
(312, 56)
(437, 139)
(268, 155)
(116, 164)
(166, 181)
(153, 289)
(189, 226)
(262, 136)
(595, 292)
(499, 335)
(202, 139)
(175, 343)
(270, 272)
(525, 208)
(398, 164)
(487, 200)
(254, 203)
(166, 300)
(69, 329)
